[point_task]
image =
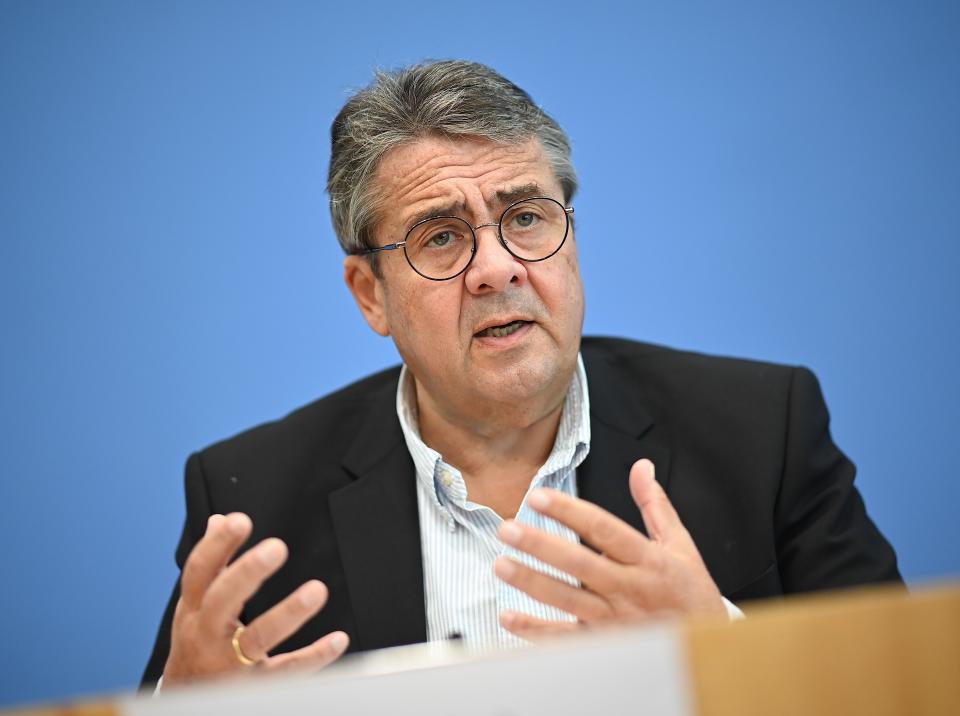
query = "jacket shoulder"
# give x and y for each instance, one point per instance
(327, 424)
(700, 396)
(698, 371)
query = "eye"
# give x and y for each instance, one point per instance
(440, 239)
(525, 219)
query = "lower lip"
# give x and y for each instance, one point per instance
(505, 341)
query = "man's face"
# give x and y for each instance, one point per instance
(441, 328)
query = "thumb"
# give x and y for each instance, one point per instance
(658, 514)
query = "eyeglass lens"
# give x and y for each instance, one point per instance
(533, 229)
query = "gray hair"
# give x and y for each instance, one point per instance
(450, 98)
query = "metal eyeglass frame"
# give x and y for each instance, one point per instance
(567, 212)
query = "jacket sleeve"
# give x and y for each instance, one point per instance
(198, 511)
(825, 539)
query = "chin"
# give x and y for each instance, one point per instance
(528, 383)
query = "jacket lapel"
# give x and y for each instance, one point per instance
(377, 526)
(376, 518)
(621, 432)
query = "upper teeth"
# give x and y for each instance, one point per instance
(501, 331)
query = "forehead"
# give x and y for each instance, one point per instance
(467, 173)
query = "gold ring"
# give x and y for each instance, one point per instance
(238, 650)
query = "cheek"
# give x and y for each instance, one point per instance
(573, 282)
(562, 291)
(423, 316)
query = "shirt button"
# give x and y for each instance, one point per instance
(451, 525)
(446, 478)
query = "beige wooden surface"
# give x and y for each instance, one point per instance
(877, 652)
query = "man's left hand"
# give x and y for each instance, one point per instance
(632, 579)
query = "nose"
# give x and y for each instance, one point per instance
(493, 268)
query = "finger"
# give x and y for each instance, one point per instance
(282, 620)
(241, 580)
(593, 570)
(320, 653)
(534, 628)
(581, 603)
(609, 534)
(659, 516)
(223, 537)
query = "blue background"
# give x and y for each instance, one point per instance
(770, 180)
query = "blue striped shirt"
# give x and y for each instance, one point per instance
(459, 537)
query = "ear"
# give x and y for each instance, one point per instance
(367, 291)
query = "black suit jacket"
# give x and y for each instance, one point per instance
(742, 448)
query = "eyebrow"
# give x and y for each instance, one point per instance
(524, 191)
(505, 196)
(445, 210)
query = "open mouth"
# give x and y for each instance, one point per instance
(502, 331)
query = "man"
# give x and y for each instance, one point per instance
(510, 480)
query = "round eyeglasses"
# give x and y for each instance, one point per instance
(441, 248)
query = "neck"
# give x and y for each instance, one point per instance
(497, 459)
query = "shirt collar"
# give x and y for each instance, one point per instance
(569, 448)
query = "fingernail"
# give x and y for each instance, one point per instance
(312, 595)
(271, 553)
(214, 520)
(507, 619)
(538, 499)
(652, 472)
(237, 523)
(510, 532)
(504, 568)
(339, 641)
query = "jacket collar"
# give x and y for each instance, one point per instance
(622, 432)
(377, 527)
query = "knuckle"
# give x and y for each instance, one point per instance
(181, 611)
(249, 568)
(519, 575)
(580, 563)
(569, 601)
(319, 654)
(291, 609)
(664, 505)
(194, 565)
(600, 529)
(520, 621)
(593, 612)
(251, 641)
(531, 579)
(525, 540)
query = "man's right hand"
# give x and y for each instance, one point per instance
(212, 596)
